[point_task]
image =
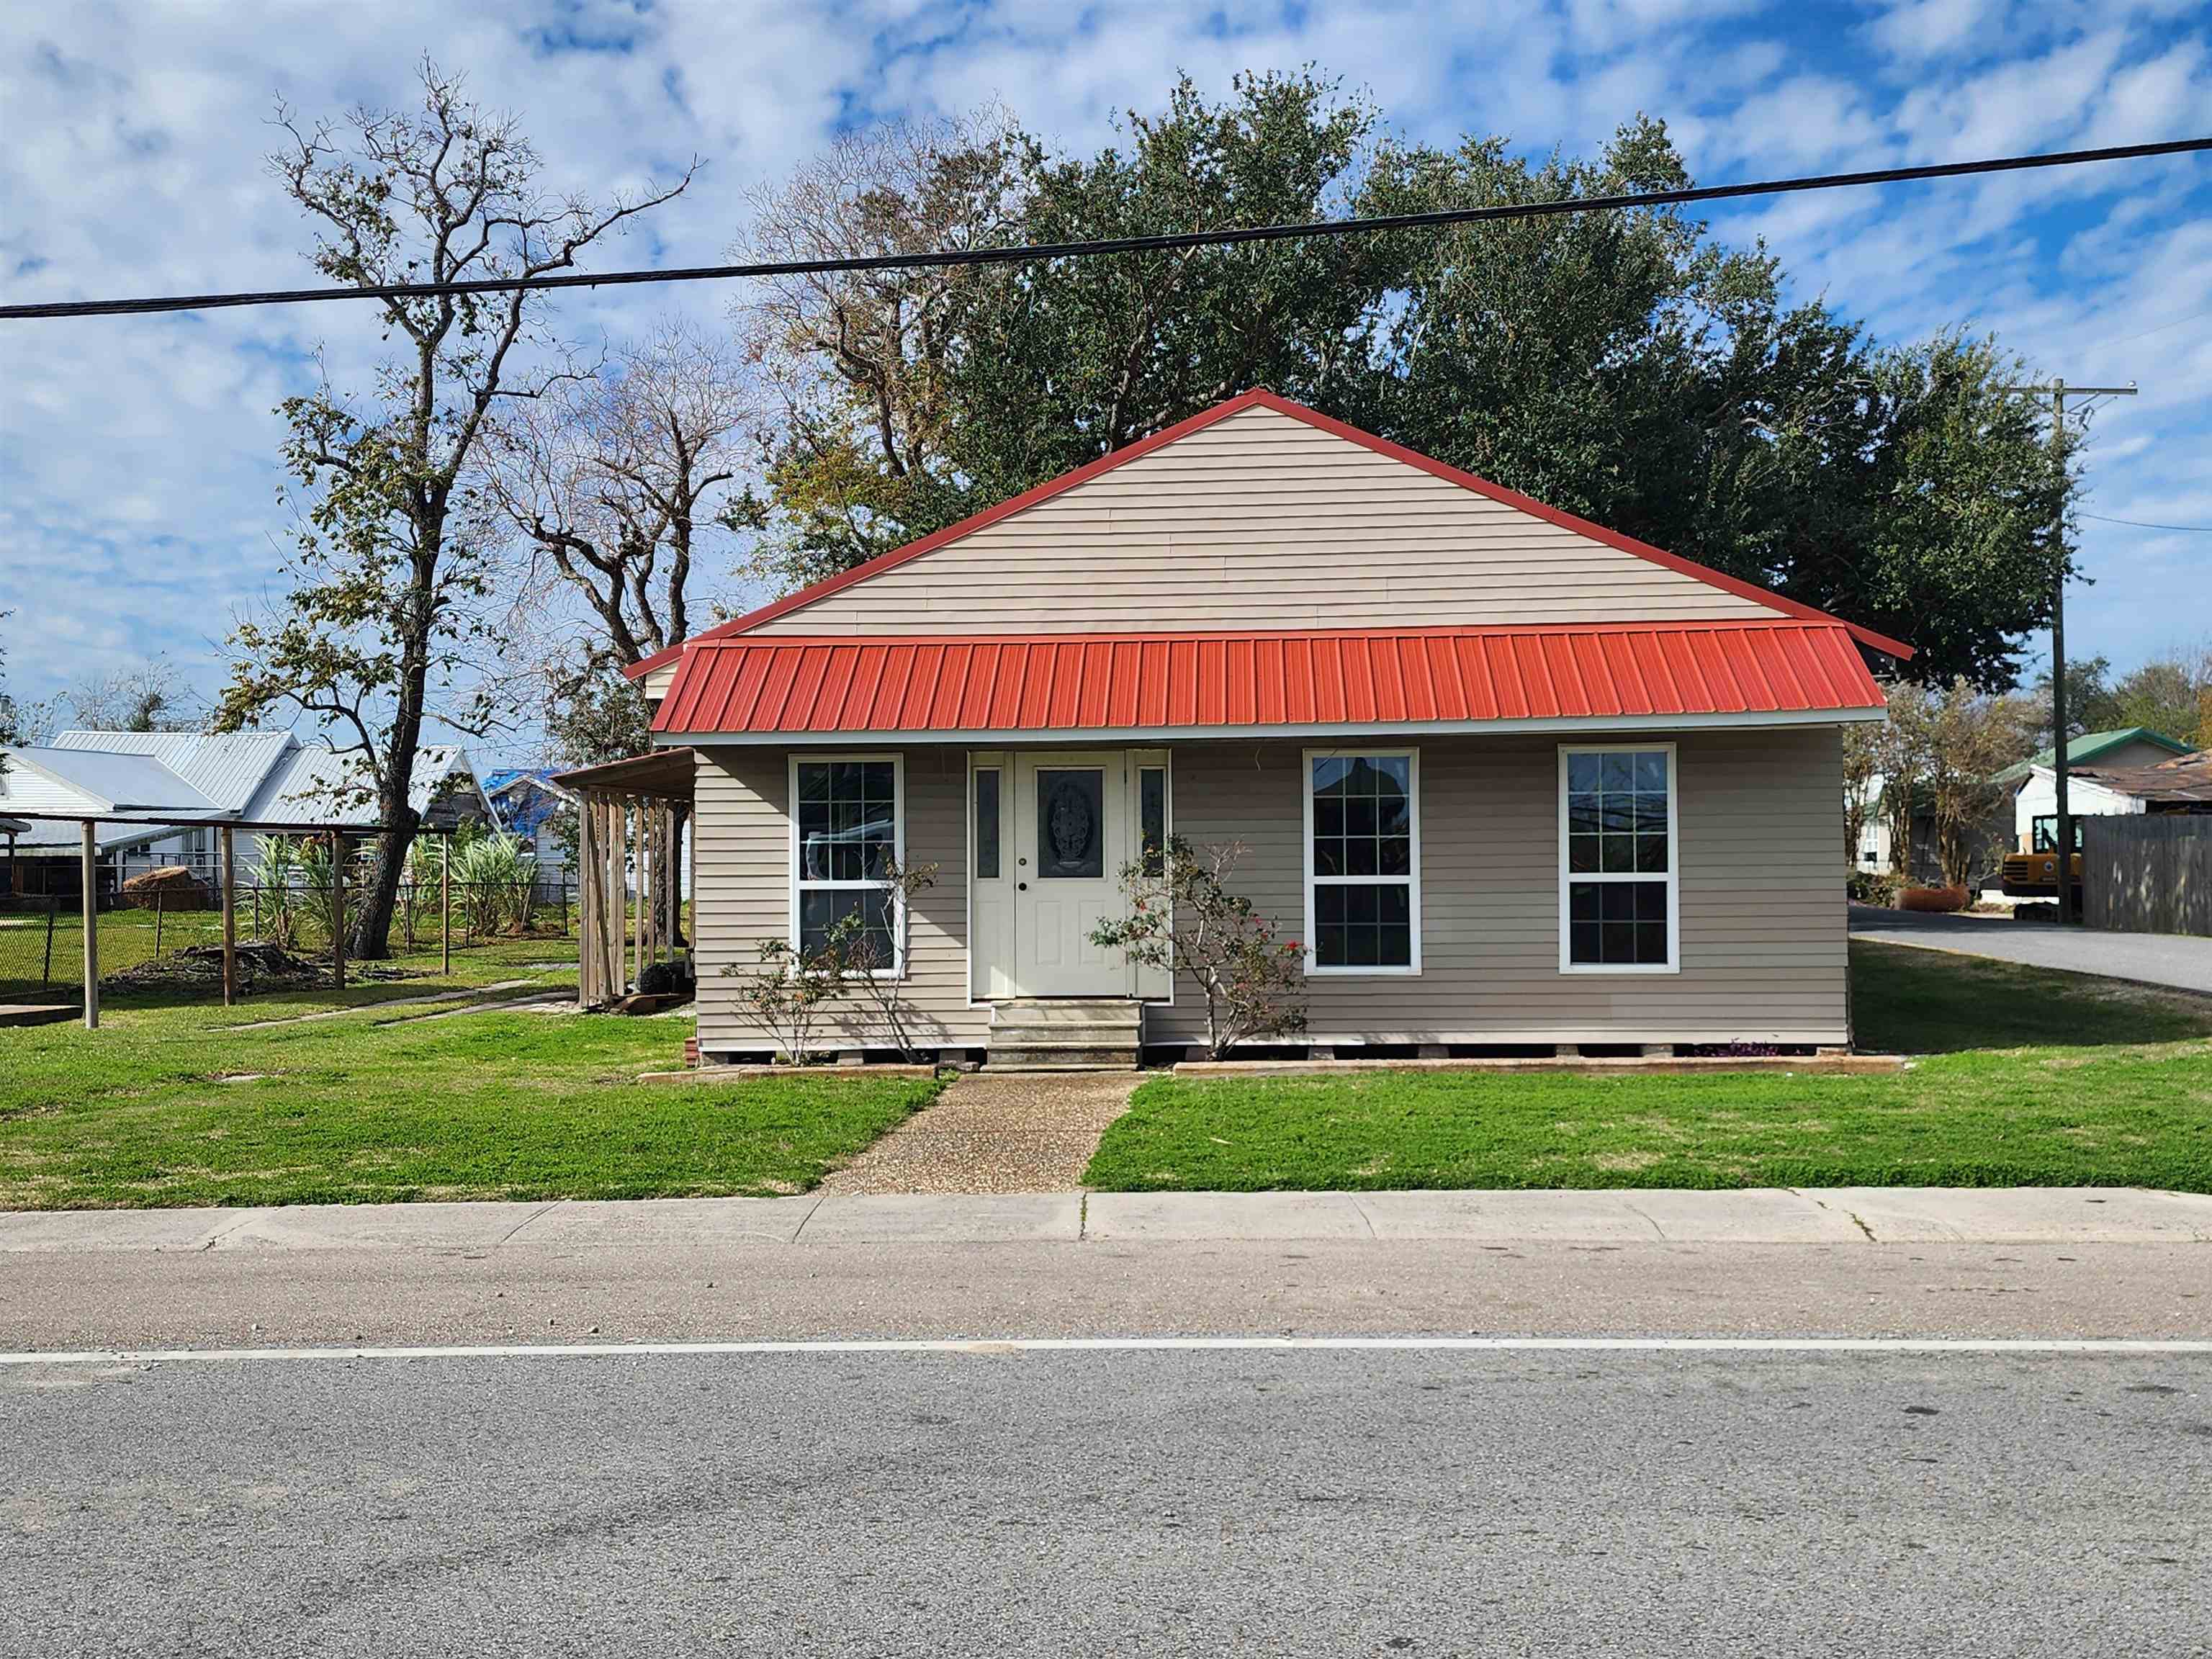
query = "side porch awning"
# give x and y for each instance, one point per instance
(628, 837)
(986, 688)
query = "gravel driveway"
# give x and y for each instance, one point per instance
(2173, 959)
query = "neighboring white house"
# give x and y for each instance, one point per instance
(1871, 855)
(250, 777)
(2035, 803)
(539, 813)
(530, 806)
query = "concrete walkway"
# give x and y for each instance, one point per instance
(2176, 960)
(995, 1132)
(1842, 1215)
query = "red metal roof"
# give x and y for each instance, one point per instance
(1170, 682)
(1265, 400)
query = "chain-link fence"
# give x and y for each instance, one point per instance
(42, 937)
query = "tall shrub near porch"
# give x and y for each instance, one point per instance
(1183, 917)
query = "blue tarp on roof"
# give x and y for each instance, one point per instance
(523, 797)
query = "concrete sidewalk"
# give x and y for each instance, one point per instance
(1837, 1216)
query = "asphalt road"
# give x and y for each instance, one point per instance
(1182, 1503)
(2171, 959)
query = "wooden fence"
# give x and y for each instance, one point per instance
(2147, 873)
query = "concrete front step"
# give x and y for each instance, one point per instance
(1060, 1057)
(1071, 1033)
(1026, 1034)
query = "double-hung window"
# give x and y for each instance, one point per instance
(847, 833)
(1618, 911)
(1363, 862)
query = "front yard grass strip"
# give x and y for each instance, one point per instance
(2106, 1113)
(519, 1105)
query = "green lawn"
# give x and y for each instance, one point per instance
(33, 969)
(2125, 1100)
(517, 1105)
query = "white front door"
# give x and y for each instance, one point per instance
(1069, 837)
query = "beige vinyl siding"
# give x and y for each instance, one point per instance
(741, 885)
(1762, 900)
(1762, 905)
(1262, 521)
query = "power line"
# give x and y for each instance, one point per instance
(2139, 524)
(2159, 328)
(1029, 253)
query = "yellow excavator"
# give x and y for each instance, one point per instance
(2035, 874)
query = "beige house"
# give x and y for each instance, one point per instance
(1511, 778)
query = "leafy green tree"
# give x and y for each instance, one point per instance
(916, 400)
(1961, 556)
(2170, 694)
(392, 570)
(595, 714)
(1626, 366)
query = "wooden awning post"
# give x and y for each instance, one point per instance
(337, 909)
(229, 919)
(635, 819)
(591, 912)
(91, 931)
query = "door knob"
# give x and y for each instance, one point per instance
(1021, 887)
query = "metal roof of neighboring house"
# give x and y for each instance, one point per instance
(2184, 781)
(2083, 750)
(320, 783)
(1319, 681)
(1262, 398)
(226, 767)
(134, 796)
(94, 783)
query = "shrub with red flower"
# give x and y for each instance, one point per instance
(1183, 917)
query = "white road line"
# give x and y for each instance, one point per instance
(994, 1346)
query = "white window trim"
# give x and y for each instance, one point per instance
(1411, 879)
(898, 968)
(1673, 963)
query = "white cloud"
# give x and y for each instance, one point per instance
(138, 471)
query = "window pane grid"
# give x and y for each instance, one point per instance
(1619, 875)
(1362, 853)
(847, 823)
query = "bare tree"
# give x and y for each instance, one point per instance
(390, 585)
(858, 359)
(612, 482)
(147, 697)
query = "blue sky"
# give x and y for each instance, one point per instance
(137, 478)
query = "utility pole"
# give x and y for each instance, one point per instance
(2063, 849)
